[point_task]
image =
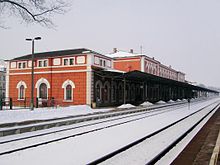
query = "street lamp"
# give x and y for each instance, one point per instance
(32, 70)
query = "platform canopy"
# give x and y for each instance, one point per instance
(146, 77)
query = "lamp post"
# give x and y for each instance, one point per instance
(32, 70)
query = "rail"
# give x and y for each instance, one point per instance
(162, 153)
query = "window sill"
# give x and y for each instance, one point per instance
(68, 101)
(20, 99)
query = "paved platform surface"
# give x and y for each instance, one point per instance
(199, 150)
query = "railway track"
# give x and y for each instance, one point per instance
(21, 144)
(108, 123)
(18, 128)
(106, 159)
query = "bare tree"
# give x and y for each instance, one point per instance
(30, 11)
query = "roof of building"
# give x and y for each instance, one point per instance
(56, 53)
(121, 53)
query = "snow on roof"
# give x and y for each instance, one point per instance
(122, 54)
(114, 70)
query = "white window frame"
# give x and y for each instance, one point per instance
(22, 64)
(39, 82)
(20, 83)
(68, 82)
(68, 59)
(42, 60)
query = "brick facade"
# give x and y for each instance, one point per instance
(68, 76)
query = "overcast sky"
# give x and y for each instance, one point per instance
(182, 33)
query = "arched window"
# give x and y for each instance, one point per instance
(43, 91)
(21, 86)
(21, 92)
(68, 92)
(42, 86)
(98, 91)
(68, 86)
(106, 91)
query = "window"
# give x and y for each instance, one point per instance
(21, 92)
(68, 86)
(98, 92)
(21, 86)
(71, 61)
(24, 65)
(100, 62)
(65, 61)
(68, 61)
(68, 92)
(45, 63)
(19, 65)
(43, 91)
(40, 64)
(106, 92)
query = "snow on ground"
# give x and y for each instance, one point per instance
(146, 103)
(160, 102)
(126, 106)
(170, 101)
(85, 148)
(9, 116)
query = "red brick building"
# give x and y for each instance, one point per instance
(129, 61)
(64, 75)
(83, 76)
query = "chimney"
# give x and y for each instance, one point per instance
(115, 50)
(131, 51)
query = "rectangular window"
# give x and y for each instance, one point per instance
(65, 61)
(100, 62)
(19, 65)
(71, 61)
(24, 65)
(40, 64)
(45, 63)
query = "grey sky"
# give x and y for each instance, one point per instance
(182, 33)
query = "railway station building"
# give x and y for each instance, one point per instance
(83, 76)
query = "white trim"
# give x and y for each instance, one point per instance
(39, 82)
(65, 71)
(88, 88)
(142, 64)
(68, 62)
(42, 60)
(126, 60)
(20, 83)
(22, 62)
(80, 59)
(7, 80)
(68, 82)
(59, 66)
